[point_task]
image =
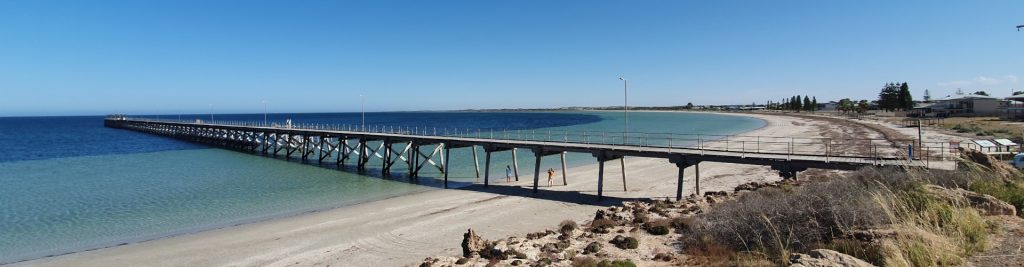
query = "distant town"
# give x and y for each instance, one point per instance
(894, 100)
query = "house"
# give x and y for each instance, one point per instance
(1012, 108)
(965, 105)
(830, 106)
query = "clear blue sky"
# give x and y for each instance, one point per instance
(167, 57)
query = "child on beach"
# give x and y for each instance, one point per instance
(551, 175)
(508, 174)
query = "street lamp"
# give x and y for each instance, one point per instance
(625, 109)
(362, 110)
(264, 112)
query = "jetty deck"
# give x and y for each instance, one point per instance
(339, 143)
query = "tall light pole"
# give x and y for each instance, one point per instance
(264, 112)
(625, 109)
(362, 110)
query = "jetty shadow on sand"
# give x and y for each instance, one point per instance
(574, 197)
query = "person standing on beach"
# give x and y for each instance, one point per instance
(551, 175)
(508, 174)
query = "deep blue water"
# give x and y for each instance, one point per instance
(68, 184)
(33, 138)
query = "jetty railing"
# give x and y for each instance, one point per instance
(878, 149)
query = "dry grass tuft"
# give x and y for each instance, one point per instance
(776, 223)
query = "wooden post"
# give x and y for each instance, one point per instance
(476, 162)
(487, 167)
(408, 159)
(600, 178)
(321, 151)
(623, 161)
(416, 154)
(696, 181)
(362, 153)
(444, 157)
(564, 181)
(515, 163)
(447, 153)
(679, 182)
(385, 168)
(536, 170)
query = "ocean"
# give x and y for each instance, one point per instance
(69, 184)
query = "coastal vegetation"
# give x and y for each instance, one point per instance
(983, 126)
(795, 103)
(874, 216)
(895, 96)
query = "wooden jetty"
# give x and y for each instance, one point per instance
(339, 143)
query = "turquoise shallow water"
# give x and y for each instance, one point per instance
(109, 194)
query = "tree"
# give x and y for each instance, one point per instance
(689, 105)
(814, 103)
(904, 100)
(862, 106)
(981, 93)
(888, 99)
(796, 103)
(845, 105)
(807, 103)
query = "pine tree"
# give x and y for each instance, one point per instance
(906, 101)
(888, 99)
(814, 103)
(807, 103)
(796, 103)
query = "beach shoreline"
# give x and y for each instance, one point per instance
(421, 224)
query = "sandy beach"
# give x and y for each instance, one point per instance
(404, 230)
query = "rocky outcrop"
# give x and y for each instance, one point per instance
(998, 167)
(988, 205)
(472, 243)
(825, 258)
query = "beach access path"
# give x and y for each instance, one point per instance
(403, 230)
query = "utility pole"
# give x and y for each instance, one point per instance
(362, 110)
(625, 110)
(264, 112)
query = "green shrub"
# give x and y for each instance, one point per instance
(658, 227)
(602, 226)
(567, 226)
(630, 243)
(593, 247)
(658, 230)
(1010, 191)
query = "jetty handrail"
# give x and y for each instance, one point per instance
(743, 144)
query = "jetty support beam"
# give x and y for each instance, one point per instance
(787, 170)
(515, 163)
(564, 181)
(602, 156)
(447, 154)
(540, 153)
(683, 162)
